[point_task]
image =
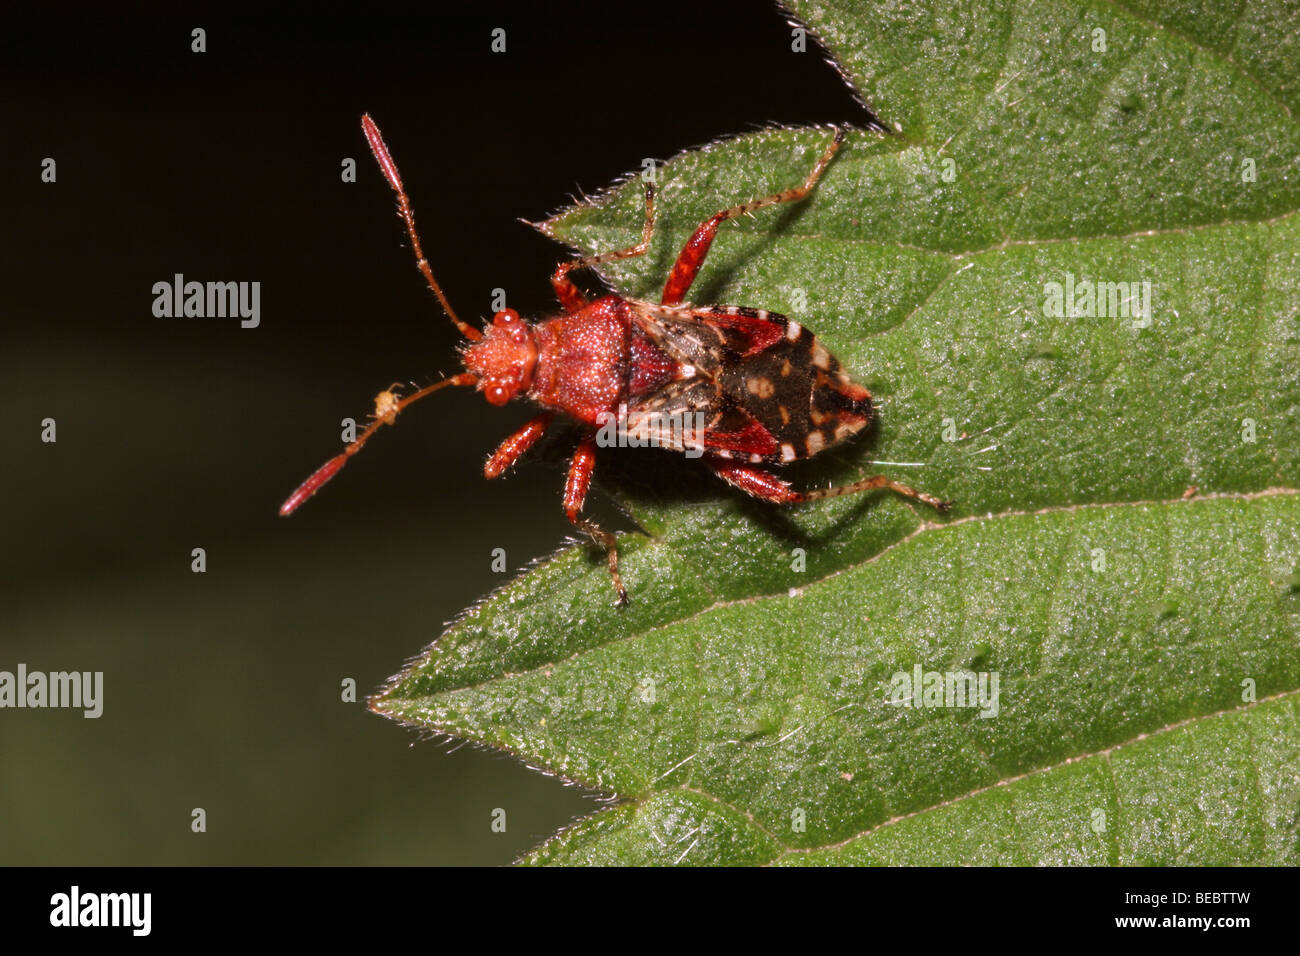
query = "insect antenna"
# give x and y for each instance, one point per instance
(387, 407)
(389, 168)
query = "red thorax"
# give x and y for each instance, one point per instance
(580, 364)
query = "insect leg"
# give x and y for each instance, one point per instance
(691, 258)
(871, 484)
(753, 481)
(389, 168)
(517, 444)
(765, 485)
(568, 294)
(575, 495)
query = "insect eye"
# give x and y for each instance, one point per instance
(506, 317)
(496, 394)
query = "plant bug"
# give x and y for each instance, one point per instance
(766, 390)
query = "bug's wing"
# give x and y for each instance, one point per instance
(710, 339)
(738, 434)
(781, 394)
(694, 414)
(683, 337)
(801, 394)
(676, 416)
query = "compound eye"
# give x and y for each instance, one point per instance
(506, 317)
(496, 394)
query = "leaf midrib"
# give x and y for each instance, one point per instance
(1104, 752)
(788, 851)
(384, 705)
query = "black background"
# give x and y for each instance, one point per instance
(222, 688)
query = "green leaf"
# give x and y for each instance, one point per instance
(1123, 550)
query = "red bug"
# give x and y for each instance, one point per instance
(765, 390)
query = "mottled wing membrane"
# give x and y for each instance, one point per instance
(667, 417)
(799, 391)
(795, 398)
(681, 334)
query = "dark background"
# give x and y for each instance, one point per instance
(222, 689)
